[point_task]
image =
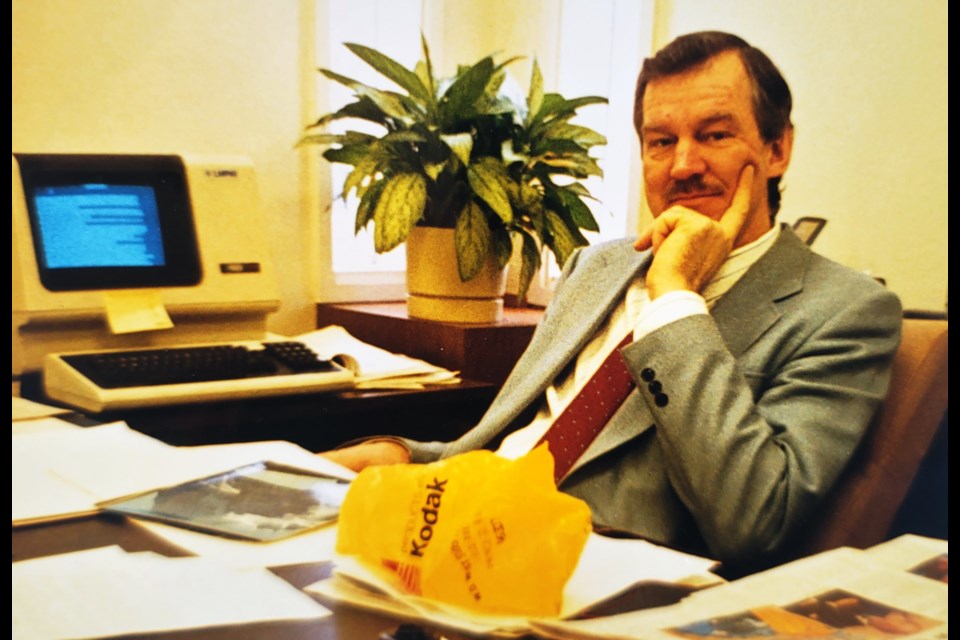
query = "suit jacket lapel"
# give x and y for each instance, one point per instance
(580, 311)
(742, 315)
(749, 309)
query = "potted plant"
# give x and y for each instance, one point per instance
(459, 154)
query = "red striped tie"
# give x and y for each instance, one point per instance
(583, 419)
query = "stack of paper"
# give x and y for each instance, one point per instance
(374, 367)
(607, 567)
(65, 473)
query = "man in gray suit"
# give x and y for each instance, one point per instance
(758, 363)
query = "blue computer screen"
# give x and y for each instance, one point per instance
(110, 221)
(99, 225)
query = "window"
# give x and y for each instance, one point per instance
(603, 64)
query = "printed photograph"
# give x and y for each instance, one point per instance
(835, 614)
(261, 501)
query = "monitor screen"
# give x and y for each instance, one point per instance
(110, 222)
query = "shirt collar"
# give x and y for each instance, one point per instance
(737, 264)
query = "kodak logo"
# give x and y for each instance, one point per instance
(430, 514)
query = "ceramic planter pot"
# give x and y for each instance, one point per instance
(434, 289)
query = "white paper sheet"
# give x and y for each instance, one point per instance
(37, 425)
(23, 409)
(104, 592)
(312, 546)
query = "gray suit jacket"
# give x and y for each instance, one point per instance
(767, 398)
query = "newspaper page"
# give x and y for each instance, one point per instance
(839, 594)
(917, 554)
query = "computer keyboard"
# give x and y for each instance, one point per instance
(99, 381)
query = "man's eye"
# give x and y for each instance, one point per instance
(716, 136)
(659, 143)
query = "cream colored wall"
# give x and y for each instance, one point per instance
(464, 31)
(201, 76)
(869, 80)
(225, 76)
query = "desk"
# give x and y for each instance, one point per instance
(316, 422)
(346, 624)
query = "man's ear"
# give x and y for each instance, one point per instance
(780, 150)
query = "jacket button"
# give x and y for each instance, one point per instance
(661, 400)
(647, 375)
(655, 387)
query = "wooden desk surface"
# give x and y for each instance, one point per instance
(478, 351)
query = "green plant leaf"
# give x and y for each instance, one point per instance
(352, 154)
(434, 169)
(577, 211)
(502, 246)
(529, 263)
(554, 105)
(579, 189)
(367, 205)
(561, 238)
(461, 144)
(429, 81)
(583, 136)
(485, 178)
(392, 70)
(399, 207)
(472, 238)
(363, 170)
(403, 136)
(460, 97)
(535, 95)
(390, 103)
(321, 139)
(556, 147)
(362, 109)
(579, 166)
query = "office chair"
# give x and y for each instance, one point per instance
(808, 228)
(862, 507)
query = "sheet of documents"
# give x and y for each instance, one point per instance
(105, 592)
(23, 409)
(57, 474)
(917, 554)
(40, 492)
(35, 425)
(376, 368)
(310, 546)
(607, 568)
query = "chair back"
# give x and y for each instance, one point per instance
(862, 507)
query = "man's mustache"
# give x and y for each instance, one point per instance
(692, 187)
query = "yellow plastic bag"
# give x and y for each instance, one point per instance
(475, 530)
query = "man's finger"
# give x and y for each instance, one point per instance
(736, 214)
(645, 241)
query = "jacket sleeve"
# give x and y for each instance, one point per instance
(751, 444)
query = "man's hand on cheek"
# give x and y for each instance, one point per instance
(689, 247)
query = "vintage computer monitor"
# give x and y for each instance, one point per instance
(188, 228)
